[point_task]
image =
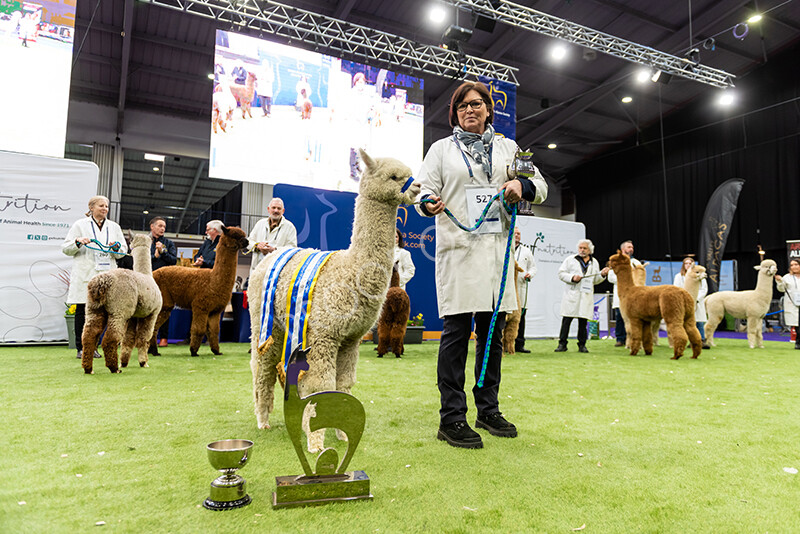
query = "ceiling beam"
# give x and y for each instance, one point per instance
(127, 33)
(198, 173)
(343, 9)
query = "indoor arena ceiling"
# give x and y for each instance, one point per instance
(136, 55)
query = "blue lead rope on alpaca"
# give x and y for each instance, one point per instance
(407, 184)
(513, 211)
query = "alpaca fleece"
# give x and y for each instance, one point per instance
(204, 291)
(348, 296)
(127, 302)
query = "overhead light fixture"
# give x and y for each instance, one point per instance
(558, 52)
(486, 23)
(643, 75)
(146, 212)
(437, 14)
(755, 18)
(454, 36)
(627, 99)
(154, 157)
(552, 146)
(656, 75)
(156, 169)
(726, 98)
(211, 76)
(661, 77)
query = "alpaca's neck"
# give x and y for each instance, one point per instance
(142, 262)
(692, 285)
(624, 278)
(224, 263)
(764, 284)
(372, 243)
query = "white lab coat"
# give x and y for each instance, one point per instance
(612, 278)
(791, 312)
(700, 308)
(469, 265)
(405, 266)
(83, 259)
(283, 235)
(524, 258)
(576, 303)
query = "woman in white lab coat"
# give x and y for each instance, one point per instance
(87, 262)
(700, 308)
(462, 172)
(790, 285)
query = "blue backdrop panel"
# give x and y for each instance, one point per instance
(661, 273)
(324, 220)
(504, 96)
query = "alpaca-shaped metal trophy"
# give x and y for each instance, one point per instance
(327, 481)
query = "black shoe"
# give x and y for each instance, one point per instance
(497, 425)
(706, 346)
(562, 347)
(80, 354)
(619, 344)
(582, 348)
(797, 346)
(97, 354)
(459, 434)
(153, 350)
(523, 350)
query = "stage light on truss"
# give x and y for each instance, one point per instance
(437, 14)
(627, 99)
(656, 75)
(552, 146)
(558, 52)
(726, 98)
(454, 36)
(643, 74)
(660, 77)
(755, 18)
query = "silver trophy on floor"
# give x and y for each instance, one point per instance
(230, 490)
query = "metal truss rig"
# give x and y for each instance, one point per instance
(352, 41)
(536, 21)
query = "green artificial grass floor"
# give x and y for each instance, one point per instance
(607, 443)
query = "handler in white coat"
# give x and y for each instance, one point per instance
(402, 260)
(463, 172)
(700, 316)
(580, 273)
(790, 284)
(87, 262)
(524, 258)
(270, 233)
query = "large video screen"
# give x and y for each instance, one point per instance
(36, 61)
(285, 115)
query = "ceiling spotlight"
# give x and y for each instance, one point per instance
(656, 75)
(156, 169)
(754, 18)
(454, 36)
(643, 75)
(552, 146)
(437, 14)
(661, 77)
(726, 99)
(627, 99)
(558, 52)
(154, 157)
(210, 75)
(146, 212)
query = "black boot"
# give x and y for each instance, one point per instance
(797, 344)
(562, 347)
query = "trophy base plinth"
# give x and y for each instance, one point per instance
(219, 506)
(294, 491)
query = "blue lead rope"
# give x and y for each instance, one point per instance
(104, 248)
(513, 211)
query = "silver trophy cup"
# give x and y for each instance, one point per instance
(230, 490)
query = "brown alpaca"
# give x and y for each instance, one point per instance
(244, 94)
(204, 291)
(394, 318)
(128, 303)
(644, 305)
(513, 318)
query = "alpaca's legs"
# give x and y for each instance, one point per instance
(398, 333)
(635, 334)
(212, 332)
(163, 317)
(384, 333)
(677, 332)
(694, 336)
(92, 328)
(647, 338)
(322, 376)
(759, 333)
(143, 334)
(654, 326)
(714, 319)
(111, 340)
(753, 331)
(199, 322)
(346, 361)
(128, 342)
(264, 375)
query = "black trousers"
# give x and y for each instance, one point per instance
(519, 343)
(582, 332)
(80, 320)
(450, 370)
(619, 326)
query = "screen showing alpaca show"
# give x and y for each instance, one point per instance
(285, 115)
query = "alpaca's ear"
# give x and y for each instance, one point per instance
(368, 161)
(619, 251)
(757, 267)
(224, 229)
(646, 264)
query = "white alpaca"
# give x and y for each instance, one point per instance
(128, 303)
(347, 298)
(223, 104)
(752, 305)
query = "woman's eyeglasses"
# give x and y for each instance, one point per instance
(475, 104)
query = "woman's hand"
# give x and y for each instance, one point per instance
(576, 278)
(435, 208)
(513, 191)
(778, 277)
(84, 240)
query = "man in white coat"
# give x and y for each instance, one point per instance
(524, 258)
(272, 232)
(626, 247)
(580, 273)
